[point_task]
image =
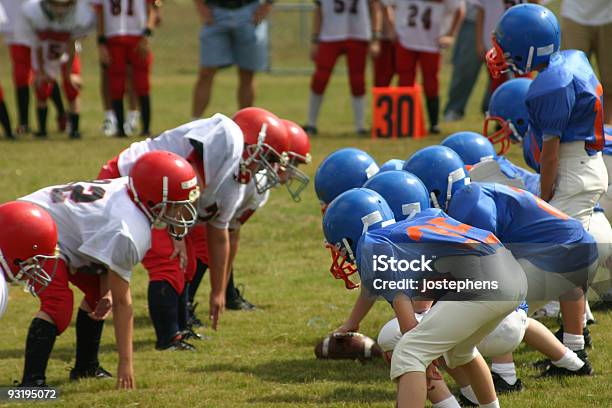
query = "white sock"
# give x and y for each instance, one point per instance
(494, 404)
(573, 342)
(507, 371)
(314, 105)
(450, 402)
(569, 361)
(588, 315)
(109, 114)
(468, 393)
(133, 114)
(358, 103)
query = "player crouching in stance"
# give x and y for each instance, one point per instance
(104, 230)
(28, 241)
(359, 225)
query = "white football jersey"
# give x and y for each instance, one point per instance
(53, 35)
(222, 143)
(419, 23)
(3, 17)
(251, 202)
(97, 223)
(12, 11)
(344, 20)
(3, 294)
(123, 17)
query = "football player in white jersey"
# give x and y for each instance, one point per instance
(28, 239)
(52, 27)
(350, 27)
(123, 30)
(104, 230)
(225, 153)
(423, 28)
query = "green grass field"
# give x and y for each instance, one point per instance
(264, 358)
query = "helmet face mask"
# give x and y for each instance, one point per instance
(496, 60)
(31, 273)
(176, 216)
(343, 263)
(293, 178)
(501, 132)
(261, 157)
(59, 8)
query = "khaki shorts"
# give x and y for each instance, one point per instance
(591, 40)
(581, 181)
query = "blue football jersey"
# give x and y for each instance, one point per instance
(566, 100)
(421, 242)
(527, 225)
(531, 180)
(608, 140)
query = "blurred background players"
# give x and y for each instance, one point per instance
(52, 27)
(344, 27)
(234, 32)
(423, 28)
(123, 31)
(5, 121)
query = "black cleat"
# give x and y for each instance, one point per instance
(544, 363)
(465, 402)
(75, 134)
(238, 302)
(311, 130)
(363, 132)
(177, 344)
(554, 371)
(190, 334)
(38, 383)
(501, 386)
(193, 320)
(91, 372)
(435, 130)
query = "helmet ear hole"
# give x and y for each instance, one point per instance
(520, 122)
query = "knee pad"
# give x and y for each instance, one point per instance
(506, 337)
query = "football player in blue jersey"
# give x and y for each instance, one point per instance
(342, 170)
(359, 226)
(558, 255)
(565, 106)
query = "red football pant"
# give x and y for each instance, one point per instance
(43, 91)
(22, 64)
(430, 67)
(356, 52)
(384, 64)
(123, 50)
(159, 265)
(57, 300)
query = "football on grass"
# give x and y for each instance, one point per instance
(347, 346)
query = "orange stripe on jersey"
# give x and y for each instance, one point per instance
(441, 226)
(544, 205)
(598, 126)
(443, 222)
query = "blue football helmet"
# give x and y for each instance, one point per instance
(525, 37)
(507, 119)
(403, 191)
(393, 164)
(342, 170)
(441, 170)
(348, 217)
(472, 147)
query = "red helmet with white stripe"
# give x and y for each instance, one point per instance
(266, 141)
(165, 187)
(28, 240)
(299, 153)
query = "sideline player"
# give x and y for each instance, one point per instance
(52, 27)
(104, 230)
(343, 27)
(123, 32)
(28, 240)
(422, 31)
(5, 120)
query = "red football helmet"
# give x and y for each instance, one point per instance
(266, 144)
(298, 153)
(165, 187)
(28, 240)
